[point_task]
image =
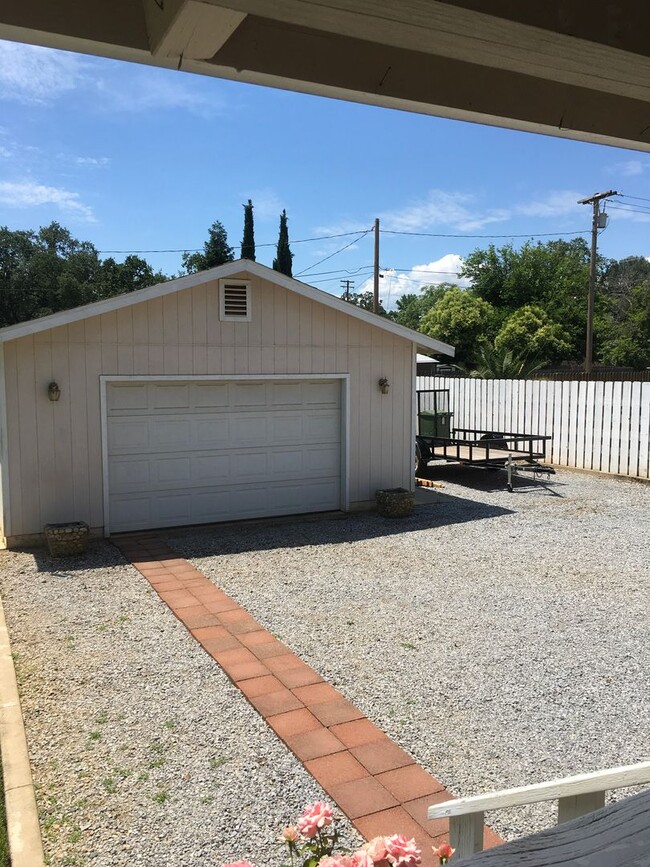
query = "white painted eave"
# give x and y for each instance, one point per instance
(230, 269)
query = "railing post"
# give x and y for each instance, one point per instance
(466, 833)
(574, 806)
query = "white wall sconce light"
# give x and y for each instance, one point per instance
(53, 391)
(384, 385)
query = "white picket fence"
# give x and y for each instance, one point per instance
(601, 426)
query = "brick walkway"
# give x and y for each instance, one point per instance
(373, 781)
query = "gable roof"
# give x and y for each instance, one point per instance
(230, 269)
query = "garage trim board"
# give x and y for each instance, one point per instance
(107, 381)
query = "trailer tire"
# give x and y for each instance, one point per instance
(420, 463)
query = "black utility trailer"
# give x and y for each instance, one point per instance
(436, 439)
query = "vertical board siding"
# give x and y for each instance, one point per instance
(601, 426)
(55, 471)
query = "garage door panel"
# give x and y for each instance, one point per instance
(327, 393)
(166, 432)
(171, 397)
(126, 475)
(214, 395)
(126, 435)
(128, 397)
(249, 394)
(188, 453)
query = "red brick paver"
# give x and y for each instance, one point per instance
(373, 781)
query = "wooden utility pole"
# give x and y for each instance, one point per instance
(594, 200)
(346, 285)
(375, 286)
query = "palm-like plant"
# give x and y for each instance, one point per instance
(493, 363)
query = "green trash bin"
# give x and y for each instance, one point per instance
(435, 424)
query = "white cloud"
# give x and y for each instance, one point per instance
(559, 203)
(32, 74)
(28, 194)
(266, 204)
(395, 284)
(630, 168)
(5, 153)
(439, 208)
(92, 162)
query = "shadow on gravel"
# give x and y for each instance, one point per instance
(443, 509)
(100, 555)
(491, 481)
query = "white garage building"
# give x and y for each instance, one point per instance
(229, 394)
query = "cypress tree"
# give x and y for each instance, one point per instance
(284, 256)
(248, 241)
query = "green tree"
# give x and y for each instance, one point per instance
(622, 328)
(530, 331)
(50, 270)
(412, 307)
(462, 319)
(553, 276)
(365, 300)
(283, 256)
(248, 241)
(216, 251)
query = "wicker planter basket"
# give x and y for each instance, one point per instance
(394, 502)
(65, 540)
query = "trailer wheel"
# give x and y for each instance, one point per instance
(420, 463)
(509, 487)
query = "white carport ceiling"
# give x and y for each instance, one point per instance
(577, 69)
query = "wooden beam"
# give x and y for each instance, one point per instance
(462, 34)
(189, 29)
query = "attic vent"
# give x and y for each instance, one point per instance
(235, 301)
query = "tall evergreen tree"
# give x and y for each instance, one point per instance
(216, 251)
(248, 241)
(283, 256)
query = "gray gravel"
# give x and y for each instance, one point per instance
(501, 639)
(142, 750)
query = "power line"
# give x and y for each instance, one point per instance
(270, 244)
(638, 198)
(335, 253)
(629, 209)
(527, 235)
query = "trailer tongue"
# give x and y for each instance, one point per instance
(436, 439)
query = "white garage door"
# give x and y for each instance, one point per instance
(203, 451)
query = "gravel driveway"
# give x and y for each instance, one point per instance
(501, 639)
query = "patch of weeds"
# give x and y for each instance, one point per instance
(162, 796)
(217, 762)
(95, 736)
(407, 645)
(103, 627)
(83, 775)
(74, 836)
(123, 618)
(156, 747)
(122, 773)
(70, 642)
(157, 763)
(109, 785)
(102, 718)
(207, 799)
(169, 724)
(143, 776)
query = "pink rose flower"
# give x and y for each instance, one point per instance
(315, 817)
(444, 852)
(376, 849)
(402, 852)
(290, 834)
(361, 858)
(238, 864)
(335, 861)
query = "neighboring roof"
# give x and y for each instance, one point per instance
(230, 269)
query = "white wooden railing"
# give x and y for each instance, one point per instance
(576, 796)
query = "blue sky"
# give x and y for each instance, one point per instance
(136, 158)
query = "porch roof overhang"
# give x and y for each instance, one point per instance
(577, 69)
